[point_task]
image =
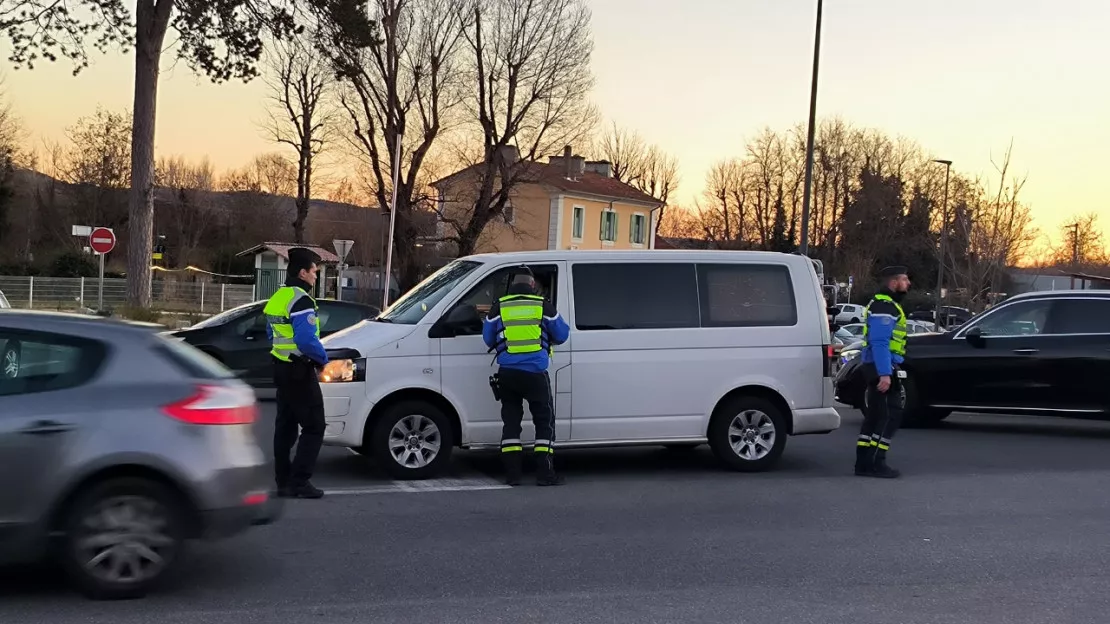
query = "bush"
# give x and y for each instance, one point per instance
(142, 315)
(73, 264)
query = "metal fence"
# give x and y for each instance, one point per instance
(75, 293)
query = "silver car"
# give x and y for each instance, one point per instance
(117, 446)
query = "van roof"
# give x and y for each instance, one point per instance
(640, 255)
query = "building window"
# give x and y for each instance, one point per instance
(609, 221)
(508, 213)
(637, 233)
(579, 223)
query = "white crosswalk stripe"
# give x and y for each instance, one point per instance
(429, 485)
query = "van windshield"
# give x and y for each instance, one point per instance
(410, 308)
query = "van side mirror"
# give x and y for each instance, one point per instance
(462, 320)
(975, 338)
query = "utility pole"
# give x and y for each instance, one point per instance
(1074, 251)
(803, 247)
(943, 240)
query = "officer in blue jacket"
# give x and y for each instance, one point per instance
(884, 350)
(294, 331)
(522, 327)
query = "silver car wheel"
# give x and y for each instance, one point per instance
(11, 364)
(125, 540)
(752, 435)
(414, 441)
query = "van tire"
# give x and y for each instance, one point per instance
(747, 412)
(422, 421)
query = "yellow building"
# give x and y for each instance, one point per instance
(565, 203)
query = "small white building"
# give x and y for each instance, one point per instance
(271, 261)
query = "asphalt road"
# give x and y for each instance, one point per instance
(998, 519)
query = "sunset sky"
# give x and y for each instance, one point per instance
(699, 77)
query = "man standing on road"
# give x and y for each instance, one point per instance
(294, 331)
(522, 328)
(884, 349)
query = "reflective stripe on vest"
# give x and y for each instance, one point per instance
(278, 314)
(898, 337)
(522, 316)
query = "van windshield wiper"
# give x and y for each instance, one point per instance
(381, 319)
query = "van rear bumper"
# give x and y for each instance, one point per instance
(816, 420)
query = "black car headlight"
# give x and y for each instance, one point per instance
(344, 370)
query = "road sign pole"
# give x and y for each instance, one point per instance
(100, 287)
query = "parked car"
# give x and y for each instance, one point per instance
(237, 338)
(855, 329)
(1036, 353)
(849, 313)
(953, 316)
(118, 446)
(736, 354)
(4, 305)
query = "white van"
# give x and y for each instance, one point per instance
(673, 348)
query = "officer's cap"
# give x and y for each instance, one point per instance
(893, 271)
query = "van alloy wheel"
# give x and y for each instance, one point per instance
(752, 434)
(414, 441)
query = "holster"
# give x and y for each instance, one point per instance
(495, 386)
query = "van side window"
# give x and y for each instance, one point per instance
(635, 296)
(746, 295)
(496, 285)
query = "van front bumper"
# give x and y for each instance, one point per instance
(816, 420)
(345, 411)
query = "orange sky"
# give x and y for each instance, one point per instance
(962, 77)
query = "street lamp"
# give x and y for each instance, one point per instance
(943, 237)
(804, 246)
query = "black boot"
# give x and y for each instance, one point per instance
(305, 490)
(880, 470)
(545, 470)
(511, 462)
(865, 458)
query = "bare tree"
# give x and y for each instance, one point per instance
(98, 161)
(1082, 245)
(531, 82)
(646, 167)
(190, 204)
(400, 89)
(300, 115)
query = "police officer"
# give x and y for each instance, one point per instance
(884, 349)
(298, 355)
(522, 328)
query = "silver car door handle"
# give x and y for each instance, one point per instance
(1025, 351)
(45, 427)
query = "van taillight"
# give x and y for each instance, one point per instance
(215, 405)
(827, 361)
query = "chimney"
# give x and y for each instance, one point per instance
(510, 155)
(600, 167)
(566, 162)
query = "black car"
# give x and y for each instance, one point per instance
(237, 337)
(1042, 353)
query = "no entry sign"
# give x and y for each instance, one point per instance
(102, 240)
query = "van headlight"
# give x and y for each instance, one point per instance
(344, 371)
(849, 354)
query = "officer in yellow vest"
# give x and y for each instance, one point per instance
(884, 349)
(298, 355)
(522, 328)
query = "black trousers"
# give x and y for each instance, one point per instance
(516, 387)
(882, 415)
(300, 405)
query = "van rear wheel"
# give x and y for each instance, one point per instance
(748, 434)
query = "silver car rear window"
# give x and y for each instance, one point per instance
(192, 361)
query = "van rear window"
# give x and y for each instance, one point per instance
(746, 295)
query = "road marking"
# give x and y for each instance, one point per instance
(430, 485)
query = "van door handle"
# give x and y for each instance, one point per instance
(45, 427)
(1025, 351)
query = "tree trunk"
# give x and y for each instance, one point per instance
(151, 21)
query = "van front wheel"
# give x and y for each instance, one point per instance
(412, 440)
(748, 434)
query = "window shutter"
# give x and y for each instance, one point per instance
(601, 236)
(615, 220)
